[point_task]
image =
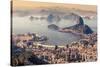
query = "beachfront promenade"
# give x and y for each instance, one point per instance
(29, 50)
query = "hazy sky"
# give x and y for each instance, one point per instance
(21, 4)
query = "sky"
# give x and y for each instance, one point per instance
(21, 4)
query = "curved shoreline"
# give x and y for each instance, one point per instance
(38, 43)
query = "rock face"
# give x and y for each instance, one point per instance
(80, 27)
(53, 18)
(53, 27)
(87, 30)
(50, 18)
